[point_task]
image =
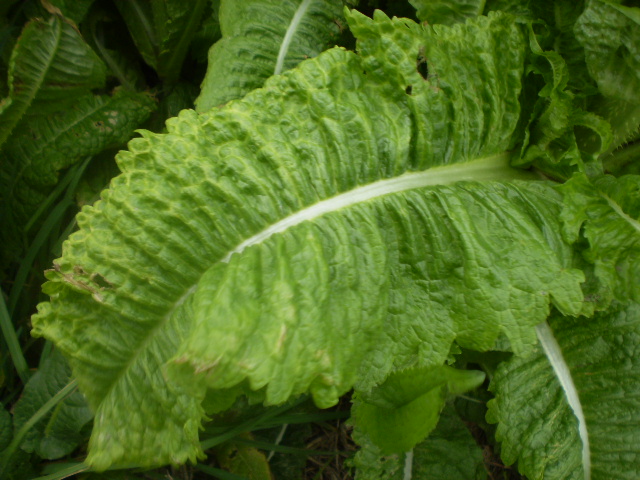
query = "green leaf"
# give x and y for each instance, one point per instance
(405, 408)
(60, 432)
(244, 460)
(537, 426)
(610, 35)
(43, 145)
(447, 12)
(74, 10)
(282, 242)
(550, 143)
(261, 38)
(607, 213)
(162, 30)
(50, 63)
(5, 428)
(449, 453)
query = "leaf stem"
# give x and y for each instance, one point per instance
(288, 36)
(554, 355)
(408, 466)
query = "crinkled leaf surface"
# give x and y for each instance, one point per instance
(335, 215)
(50, 63)
(610, 35)
(607, 212)
(261, 38)
(449, 453)
(538, 428)
(447, 12)
(59, 433)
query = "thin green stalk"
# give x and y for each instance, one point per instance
(67, 472)
(39, 415)
(27, 262)
(11, 338)
(295, 418)
(216, 472)
(247, 426)
(273, 447)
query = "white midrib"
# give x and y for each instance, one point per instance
(495, 167)
(618, 209)
(561, 369)
(489, 168)
(407, 473)
(288, 36)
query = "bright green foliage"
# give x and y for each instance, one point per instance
(551, 143)
(449, 453)
(356, 223)
(162, 278)
(261, 38)
(447, 12)
(405, 408)
(59, 432)
(607, 212)
(538, 429)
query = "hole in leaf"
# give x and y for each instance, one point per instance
(421, 64)
(408, 90)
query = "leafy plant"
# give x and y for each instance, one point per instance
(443, 213)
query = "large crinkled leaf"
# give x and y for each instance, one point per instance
(537, 426)
(50, 63)
(607, 213)
(449, 453)
(261, 38)
(60, 432)
(339, 213)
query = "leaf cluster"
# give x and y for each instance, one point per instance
(423, 216)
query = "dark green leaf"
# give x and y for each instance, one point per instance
(162, 30)
(537, 426)
(60, 431)
(261, 38)
(50, 64)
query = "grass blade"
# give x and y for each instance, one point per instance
(11, 338)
